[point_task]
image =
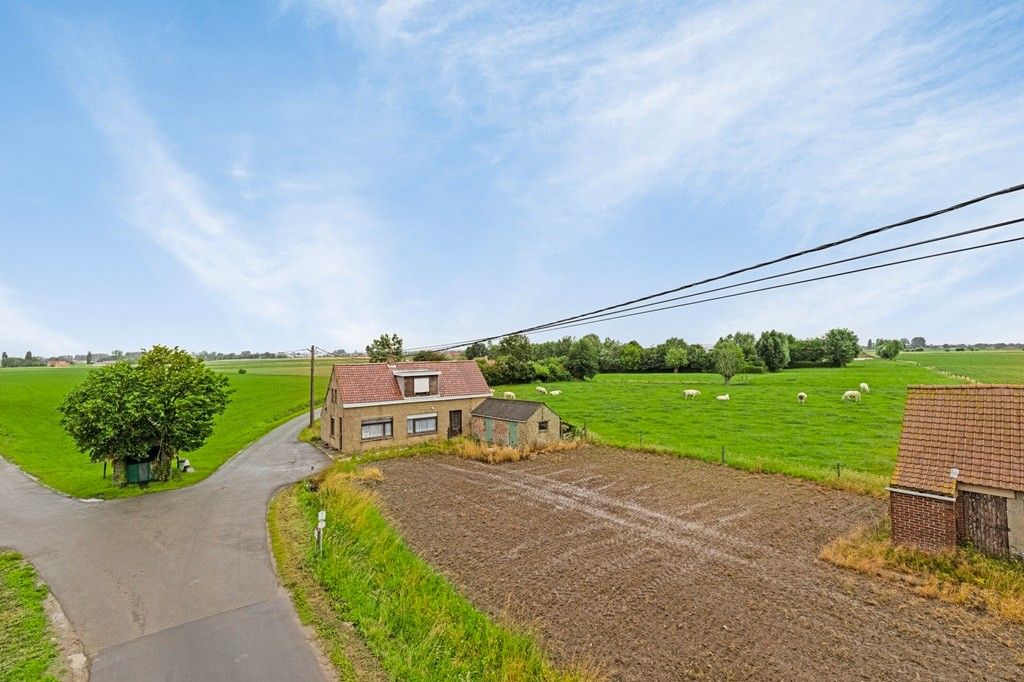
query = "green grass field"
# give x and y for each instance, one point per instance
(27, 647)
(762, 426)
(989, 367)
(269, 394)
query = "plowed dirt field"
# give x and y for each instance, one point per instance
(659, 568)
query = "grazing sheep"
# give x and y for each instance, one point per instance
(864, 388)
(722, 397)
(509, 395)
(802, 397)
(556, 393)
(691, 393)
(852, 395)
(541, 389)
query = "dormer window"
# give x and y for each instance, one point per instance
(418, 383)
(421, 385)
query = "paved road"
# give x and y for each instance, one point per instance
(176, 585)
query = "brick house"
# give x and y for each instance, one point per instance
(515, 422)
(57, 362)
(377, 405)
(959, 476)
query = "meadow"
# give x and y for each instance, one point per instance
(267, 395)
(989, 367)
(762, 427)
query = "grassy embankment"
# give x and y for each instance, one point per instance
(963, 576)
(271, 392)
(762, 426)
(28, 650)
(412, 620)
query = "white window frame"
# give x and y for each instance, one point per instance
(413, 419)
(421, 385)
(387, 428)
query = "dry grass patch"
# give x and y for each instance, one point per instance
(963, 576)
(467, 448)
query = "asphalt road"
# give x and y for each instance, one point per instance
(176, 585)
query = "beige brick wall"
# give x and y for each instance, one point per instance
(348, 421)
(529, 431)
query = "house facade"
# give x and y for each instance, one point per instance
(380, 405)
(959, 476)
(515, 422)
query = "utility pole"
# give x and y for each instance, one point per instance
(312, 357)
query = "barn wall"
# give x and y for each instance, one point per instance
(1015, 519)
(922, 522)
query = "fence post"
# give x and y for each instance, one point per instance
(838, 469)
(723, 454)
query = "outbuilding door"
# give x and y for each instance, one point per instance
(454, 423)
(513, 434)
(985, 523)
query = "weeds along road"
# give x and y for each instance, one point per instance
(177, 585)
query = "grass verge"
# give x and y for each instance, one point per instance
(311, 433)
(28, 649)
(413, 621)
(963, 576)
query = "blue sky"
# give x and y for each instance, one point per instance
(268, 175)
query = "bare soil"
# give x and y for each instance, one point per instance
(659, 568)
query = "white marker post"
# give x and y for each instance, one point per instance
(321, 523)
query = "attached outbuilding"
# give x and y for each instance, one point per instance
(515, 422)
(959, 476)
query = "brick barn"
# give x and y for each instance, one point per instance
(515, 422)
(959, 476)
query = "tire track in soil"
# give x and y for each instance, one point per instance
(661, 568)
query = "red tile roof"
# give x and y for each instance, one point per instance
(376, 383)
(975, 428)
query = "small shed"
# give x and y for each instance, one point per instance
(959, 476)
(515, 422)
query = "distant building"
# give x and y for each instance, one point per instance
(959, 475)
(515, 422)
(56, 362)
(376, 405)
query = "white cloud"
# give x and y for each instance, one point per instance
(302, 264)
(20, 332)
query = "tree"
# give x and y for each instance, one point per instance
(162, 405)
(729, 359)
(631, 357)
(773, 350)
(806, 350)
(676, 357)
(888, 349)
(583, 361)
(918, 342)
(841, 347)
(385, 348)
(747, 343)
(3, 359)
(515, 346)
(476, 350)
(88, 358)
(429, 356)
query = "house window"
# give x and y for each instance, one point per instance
(417, 426)
(377, 429)
(421, 386)
(332, 426)
(542, 426)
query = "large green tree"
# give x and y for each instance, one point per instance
(158, 407)
(729, 359)
(773, 349)
(676, 357)
(385, 348)
(631, 357)
(841, 347)
(888, 349)
(584, 357)
(476, 350)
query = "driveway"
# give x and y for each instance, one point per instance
(176, 585)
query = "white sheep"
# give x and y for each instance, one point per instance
(722, 397)
(509, 395)
(852, 395)
(541, 389)
(802, 397)
(864, 388)
(691, 393)
(556, 392)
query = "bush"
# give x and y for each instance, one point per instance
(242, 370)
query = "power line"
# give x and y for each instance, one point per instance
(902, 247)
(796, 254)
(801, 281)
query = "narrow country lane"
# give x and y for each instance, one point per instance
(176, 585)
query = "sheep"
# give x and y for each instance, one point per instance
(541, 389)
(722, 397)
(864, 388)
(852, 395)
(556, 392)
(802, 397)
(509, 395)
(691, 393)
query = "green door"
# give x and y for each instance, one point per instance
(488, 429)
(513, 433)
(131, 473)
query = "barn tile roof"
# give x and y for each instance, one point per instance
(507, 410)
(975, 428)
(376, 382)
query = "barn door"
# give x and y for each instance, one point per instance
(454, 423)
(985, 523)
